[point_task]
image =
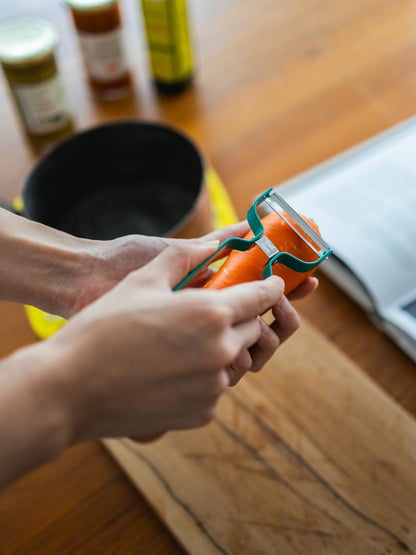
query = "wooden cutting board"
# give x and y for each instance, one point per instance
(307, 457)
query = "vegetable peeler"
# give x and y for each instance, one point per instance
(274, 202)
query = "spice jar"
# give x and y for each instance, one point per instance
(27, 57)
(98, 26)
(169, 43)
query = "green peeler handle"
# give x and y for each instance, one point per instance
(235, 243)
(292, 262)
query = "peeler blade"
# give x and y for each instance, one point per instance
(277, 203)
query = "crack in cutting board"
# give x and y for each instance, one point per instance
(307, 457)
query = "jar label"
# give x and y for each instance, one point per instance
(104, 55)
(42, 105)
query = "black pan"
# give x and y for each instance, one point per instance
(118, 179)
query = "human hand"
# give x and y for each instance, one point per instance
(142, 360)
(108, 262)
(61, 274)
(286, 322)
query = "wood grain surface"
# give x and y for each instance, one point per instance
(309, 456)
(281, 85)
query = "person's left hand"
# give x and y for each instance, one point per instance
(108, 262)
(286, 322)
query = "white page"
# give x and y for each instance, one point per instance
(365, 206)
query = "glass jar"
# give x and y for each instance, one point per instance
(27, 56)
(99, 31)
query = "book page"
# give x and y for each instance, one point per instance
(365, 206)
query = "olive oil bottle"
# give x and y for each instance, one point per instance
(169, 43)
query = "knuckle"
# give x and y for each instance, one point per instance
(216, 316)
(270, 341)
(242, 363)
(273, 341)
(227, 352)
(220, 384)
(177, 249)
(257, 328)
(235, 375)
(263, 293)
(180, 255)
(234, 380)
(296, 321)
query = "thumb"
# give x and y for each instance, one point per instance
(177, 261)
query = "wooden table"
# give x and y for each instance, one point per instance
(281, 85)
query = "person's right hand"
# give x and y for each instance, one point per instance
(142, 360)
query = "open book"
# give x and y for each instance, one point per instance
(364, 202)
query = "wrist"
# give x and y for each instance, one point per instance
(60, 276)
(56, 278)
(35, 424)
(61, 387)
(45, 372)
(44, 267)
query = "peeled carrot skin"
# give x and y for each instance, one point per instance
(241, 267)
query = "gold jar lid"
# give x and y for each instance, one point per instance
(24, 41)
(90, 5)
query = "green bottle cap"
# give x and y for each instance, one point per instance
(26, 40)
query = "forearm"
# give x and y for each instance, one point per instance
(34, 422)
(139, 361)
(39, 265)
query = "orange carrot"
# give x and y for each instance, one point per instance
(243, 266)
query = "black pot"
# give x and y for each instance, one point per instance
(119, 179)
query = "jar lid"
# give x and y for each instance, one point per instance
(26, 40)
(90, 5)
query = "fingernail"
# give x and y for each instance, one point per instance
(210, 244)
(282, 283)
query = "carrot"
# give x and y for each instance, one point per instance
(243, 266)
